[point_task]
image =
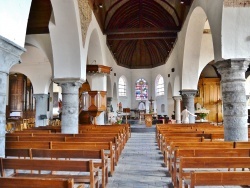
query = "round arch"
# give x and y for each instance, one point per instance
(36, 67)
(94, 49)
(191, 55)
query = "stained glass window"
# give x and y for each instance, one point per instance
(141, 89)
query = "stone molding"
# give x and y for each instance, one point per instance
(70, 87)
(9, 54)
(236, 3)
(232, 69)
(188, 92)
(85, 17)
(40, 96)
(177, 98)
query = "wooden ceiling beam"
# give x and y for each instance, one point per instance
(147, 36)
(141, 30)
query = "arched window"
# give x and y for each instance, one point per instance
(122, 86)
(141, 89)
(159, 85)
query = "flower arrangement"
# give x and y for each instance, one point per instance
(118, 120)
(202, 115)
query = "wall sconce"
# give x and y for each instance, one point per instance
(100, 5)
(168, 75)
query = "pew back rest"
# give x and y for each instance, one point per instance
(26, 153)
(27, 144)
(67, 153)
(20, 182)
(219, 178)
(41, 164)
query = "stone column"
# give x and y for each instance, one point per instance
(188, 101)
(41, 109)
(177, 108)
(70, 105)
(9, 55)
(234, 98)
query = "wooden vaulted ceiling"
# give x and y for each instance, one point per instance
(140, 33)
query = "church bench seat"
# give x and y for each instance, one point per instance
(209, 164)
(203, 152)
(218, 179)
(98, 156)
(107, 146)
(169, 153)
(21, 182)
(63, 169)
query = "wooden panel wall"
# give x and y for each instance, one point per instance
(209, 97)
(16, 92)
(20, 96)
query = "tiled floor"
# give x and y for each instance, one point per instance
(140, 164)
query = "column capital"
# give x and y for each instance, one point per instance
(232, 69)
(188, 92)
(177, 98)
(9, 54)
(40, 96)
(237, 64)
(69, 84)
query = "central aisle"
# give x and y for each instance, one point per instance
(140, 164)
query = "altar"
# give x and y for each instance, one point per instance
(202, 114)
(149, 119)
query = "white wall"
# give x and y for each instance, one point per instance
(235, 32)
(13, 20)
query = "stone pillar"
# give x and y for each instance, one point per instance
(234, 99)
(177, 108)
(188, 101)
(70, 105)
(41, 109)
(9, 55)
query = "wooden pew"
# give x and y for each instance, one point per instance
(24, 182)
(117, 145)
(98, 156)
(188, 164)
(218, 178)
(203, 152)
(169, 153)
(173, 134)
(18, 153)
(32, 131)
(27, 144)
(107, 146)
(52, 165)
(242, 145)
(170, 139)
(36, 138)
